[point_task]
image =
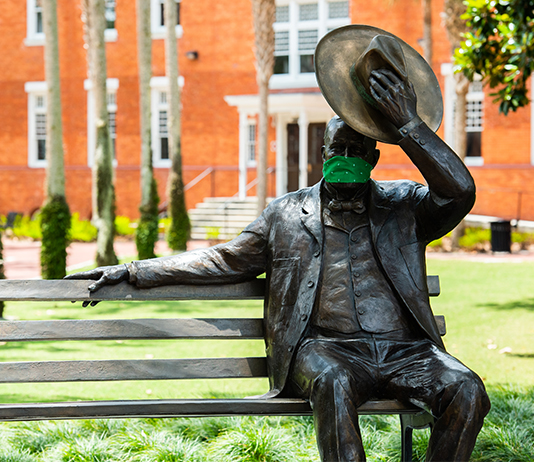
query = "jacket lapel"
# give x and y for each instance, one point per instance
(379, 209)
(310, 213)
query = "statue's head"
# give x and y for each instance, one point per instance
(342, 145)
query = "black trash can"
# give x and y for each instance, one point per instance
(501, 236)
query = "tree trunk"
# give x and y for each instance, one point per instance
(146, 233)
(103, 189)
(180, 227)
(263, 12)
(55, 214)
(455, 26)
(427, 31)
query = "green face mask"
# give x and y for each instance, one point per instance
(341, 169)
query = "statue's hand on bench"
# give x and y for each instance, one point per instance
(105, 275)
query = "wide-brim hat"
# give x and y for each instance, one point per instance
(344, 59)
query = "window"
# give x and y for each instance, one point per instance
(160, 115)
(474, 120)
(110, 34)
(34, 23)
(112, 86)
(36, 123)
(251, 144)
(157, 12)
(299, 24)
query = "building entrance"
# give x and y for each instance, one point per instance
(315, 162)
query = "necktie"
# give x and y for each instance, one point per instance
(346, 206)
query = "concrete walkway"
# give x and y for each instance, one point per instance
(21, 257)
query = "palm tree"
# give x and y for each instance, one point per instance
(103, 189)
(147, 231)
(263, 12)
(180, 227)
(55, 214)
(455, 26)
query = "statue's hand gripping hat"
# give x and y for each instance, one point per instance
(344, 60)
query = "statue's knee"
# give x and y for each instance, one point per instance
(331, 379)
(473, 393)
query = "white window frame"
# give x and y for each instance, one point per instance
(33, 38)
(158, 30)
(111, 35)
(251, 146)
(157, 86)
(34, 91)
(323, 24)
(112, 85)
(450, 108)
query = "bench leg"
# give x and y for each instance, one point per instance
(408, 423)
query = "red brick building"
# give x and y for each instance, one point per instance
(220, 103)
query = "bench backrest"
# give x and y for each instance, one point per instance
(123, 329)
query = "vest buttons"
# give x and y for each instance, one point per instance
(361, 312)
(304, 317)
(354, 238)
(353, 256)
(310, 284)
(358, 293)
(356, 275)
(317, 253)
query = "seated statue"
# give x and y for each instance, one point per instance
(347, 314)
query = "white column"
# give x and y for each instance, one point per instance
(303, 150)
(243, 137)
(281, 155)
(449, 102)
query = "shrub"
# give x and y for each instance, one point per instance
(123, 226)
(82, 230)
(147, 231)
(55, 227)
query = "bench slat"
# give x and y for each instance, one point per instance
(129, 329)
(58, 290)
(138, 369)
(180, 408)
(124, 329)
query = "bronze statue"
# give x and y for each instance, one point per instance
(347, 313)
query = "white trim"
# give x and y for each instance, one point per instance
(286, 108)
(158, 30)
(474, 161)
(303, 149)
(112, 85)
(159, 85)
(243, 138)
(35, 89)
(33, 38)
(111, 35)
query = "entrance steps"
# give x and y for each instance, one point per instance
(222, 218)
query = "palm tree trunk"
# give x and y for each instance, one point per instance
(55, 214)
(180, 227)
(147, 231)
(427, 31)
(263, 12)
(103, 189)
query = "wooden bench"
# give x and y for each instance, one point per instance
(157, 369)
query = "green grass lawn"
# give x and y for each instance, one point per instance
(489, 310)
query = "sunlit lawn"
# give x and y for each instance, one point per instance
(489, 310)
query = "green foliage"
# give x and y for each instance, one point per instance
(499, 47)
(26, 227)
(123, 226)
(474, 236)
(55, 226)
(82, 230)
(146, 234)
(179, 230)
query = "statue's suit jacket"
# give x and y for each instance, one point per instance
(286, 242)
